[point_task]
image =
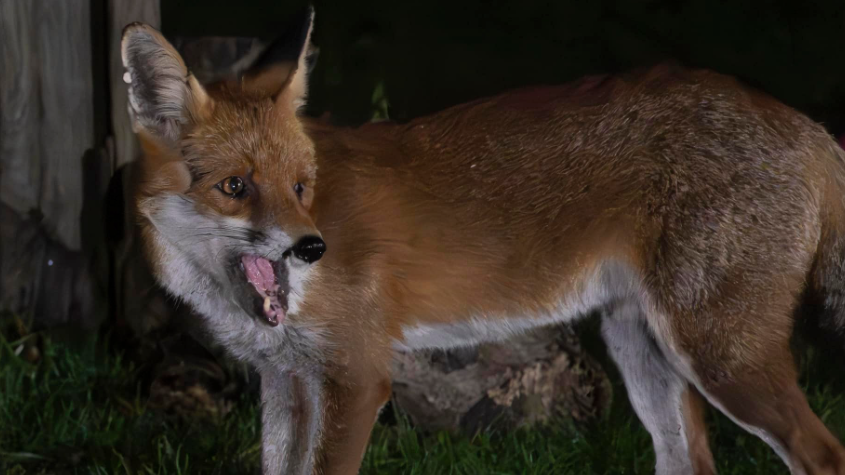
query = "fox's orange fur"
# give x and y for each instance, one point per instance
(695, 213)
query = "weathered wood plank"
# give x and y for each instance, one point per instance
(67, 107)
(47, 110)
(20, 160)
(121, 13)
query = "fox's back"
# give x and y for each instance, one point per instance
(534, 188)
(644, 128)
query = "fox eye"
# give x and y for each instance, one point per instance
(299, 188)
(233, 186)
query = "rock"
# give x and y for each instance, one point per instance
(528, 379)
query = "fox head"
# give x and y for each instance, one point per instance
(228, 179)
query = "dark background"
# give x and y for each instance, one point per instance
(436, 53)
(416, 56)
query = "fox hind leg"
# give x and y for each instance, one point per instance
(744, 367)
(767, 401)
(666, 404)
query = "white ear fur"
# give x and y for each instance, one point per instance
(163, 95)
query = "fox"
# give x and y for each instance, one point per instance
(696, 215)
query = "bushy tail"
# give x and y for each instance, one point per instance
(825, 303)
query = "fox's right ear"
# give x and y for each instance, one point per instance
(282, 69)
(164, 97)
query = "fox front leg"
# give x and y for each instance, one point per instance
(350, 412)
(315, 425)
(290, 422)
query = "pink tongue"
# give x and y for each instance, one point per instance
(259, 271)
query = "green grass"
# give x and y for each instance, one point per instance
(78, 412)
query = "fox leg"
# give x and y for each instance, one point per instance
(737, 354)
(762, 395)
(350, 412)
(669, 408)
(290, 419)
(315, 425)
(775, 409)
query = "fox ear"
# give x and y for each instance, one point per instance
(163, 96)
(282, 70)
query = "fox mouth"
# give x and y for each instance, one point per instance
(267, 292)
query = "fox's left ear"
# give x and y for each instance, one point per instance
(164, 98)
(282, 70)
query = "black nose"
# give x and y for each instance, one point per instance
(309, 249)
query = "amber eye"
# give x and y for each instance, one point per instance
(232, 186)
(299, 188)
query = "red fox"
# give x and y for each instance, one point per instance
(697, 215)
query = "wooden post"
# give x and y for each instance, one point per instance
(121, 13)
